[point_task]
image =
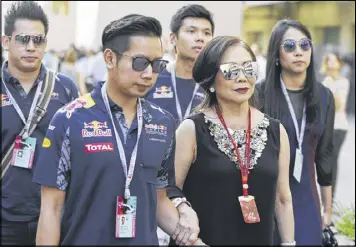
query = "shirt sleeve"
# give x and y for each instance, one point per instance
(166, 174)
(325, 146)
(53, 166)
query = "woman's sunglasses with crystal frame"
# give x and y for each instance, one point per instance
(231, 71)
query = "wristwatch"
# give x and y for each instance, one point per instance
(179, 200)
(290, 243)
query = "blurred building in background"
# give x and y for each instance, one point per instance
(82, 22)
(227, 15)
(62, 17)
(330, 22)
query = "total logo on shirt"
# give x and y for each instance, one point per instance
(5, 100)
(163, 92)
(96, 129)
(99, 147)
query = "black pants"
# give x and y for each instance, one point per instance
(338, 139)
(18, 233)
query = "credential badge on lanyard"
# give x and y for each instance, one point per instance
(24, 148)
(129, 171)
(298, 163)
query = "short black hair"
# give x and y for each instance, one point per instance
(208, 62)
(192, 10)
(28, 10)
(116, 35)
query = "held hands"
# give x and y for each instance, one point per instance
(199, 242)
(187, 230)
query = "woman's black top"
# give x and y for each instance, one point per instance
(213, 183)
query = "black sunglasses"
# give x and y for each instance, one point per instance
(24, 39)
(231, 71)
(140, 63)
(290, 45)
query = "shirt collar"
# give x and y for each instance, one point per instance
(8, 78)
(96, 95)
(114, 107)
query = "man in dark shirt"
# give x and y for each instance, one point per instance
(110, 152)
(26, 27)
(192, 27)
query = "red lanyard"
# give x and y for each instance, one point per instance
(243, 168)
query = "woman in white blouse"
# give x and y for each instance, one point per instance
(339, 86)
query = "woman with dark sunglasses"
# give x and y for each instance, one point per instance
(291, 94)
(232, 161)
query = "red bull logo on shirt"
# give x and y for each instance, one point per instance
(5, 100)
(97, 129)
(156, 129)
(163, 92)
(85, 101)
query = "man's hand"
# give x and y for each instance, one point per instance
(187, 230)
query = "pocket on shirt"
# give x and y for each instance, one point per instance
(149, 179)
(149, 173)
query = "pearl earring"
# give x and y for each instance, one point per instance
(212, 89)
(277, 63)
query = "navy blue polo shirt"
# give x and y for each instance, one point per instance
(162, 94)
(20, 197)
(81, 158)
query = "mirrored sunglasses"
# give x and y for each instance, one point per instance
(24, 39)
(231, 71)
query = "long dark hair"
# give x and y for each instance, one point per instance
(207, 65)
(270, 101)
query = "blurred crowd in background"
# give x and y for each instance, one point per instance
(87, 66)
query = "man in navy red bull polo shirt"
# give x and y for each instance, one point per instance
(23, 81)
(110, 152)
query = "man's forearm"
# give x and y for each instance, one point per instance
(167, 216)
(285, 220)
(48, 231)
